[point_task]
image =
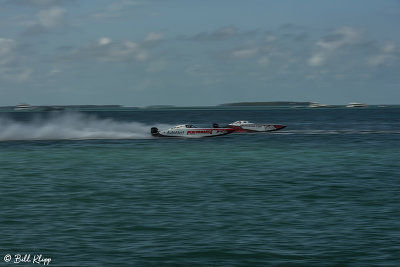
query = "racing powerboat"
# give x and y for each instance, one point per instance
(249, 127)
(191, 131)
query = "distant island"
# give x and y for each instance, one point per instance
(27, 107)
(271, 104)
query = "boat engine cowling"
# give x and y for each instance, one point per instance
(154, 131)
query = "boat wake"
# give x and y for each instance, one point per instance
(71, 126)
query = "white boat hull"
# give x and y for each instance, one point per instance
(193, 132)
(248, 127)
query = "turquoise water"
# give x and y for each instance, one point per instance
(94, 189)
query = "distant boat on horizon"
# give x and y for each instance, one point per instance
(23, 106)
(356, 105)
(318, 105)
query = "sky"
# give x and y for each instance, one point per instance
(198, 53)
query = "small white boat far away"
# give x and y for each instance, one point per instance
(24, 107)
(190, 131)
(356, 105)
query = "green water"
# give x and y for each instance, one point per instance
(314, 194)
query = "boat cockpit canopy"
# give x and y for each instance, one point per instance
(184, 126)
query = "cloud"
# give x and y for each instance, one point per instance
(6, 51)
(45, 16)
(339, 38)
(317, 59)
(389, 47)
(50, 18)
(154, 37)
(388, 54)
(104, 41)
(342, 54)
(336, 40)
(114, 10)
(351, 48)
(220, 34)
(11, 68)
(106, 50)
(46, 20)
(264, 49)
(244, 53)
(258, 44)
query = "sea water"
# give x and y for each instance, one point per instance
(95, 189)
